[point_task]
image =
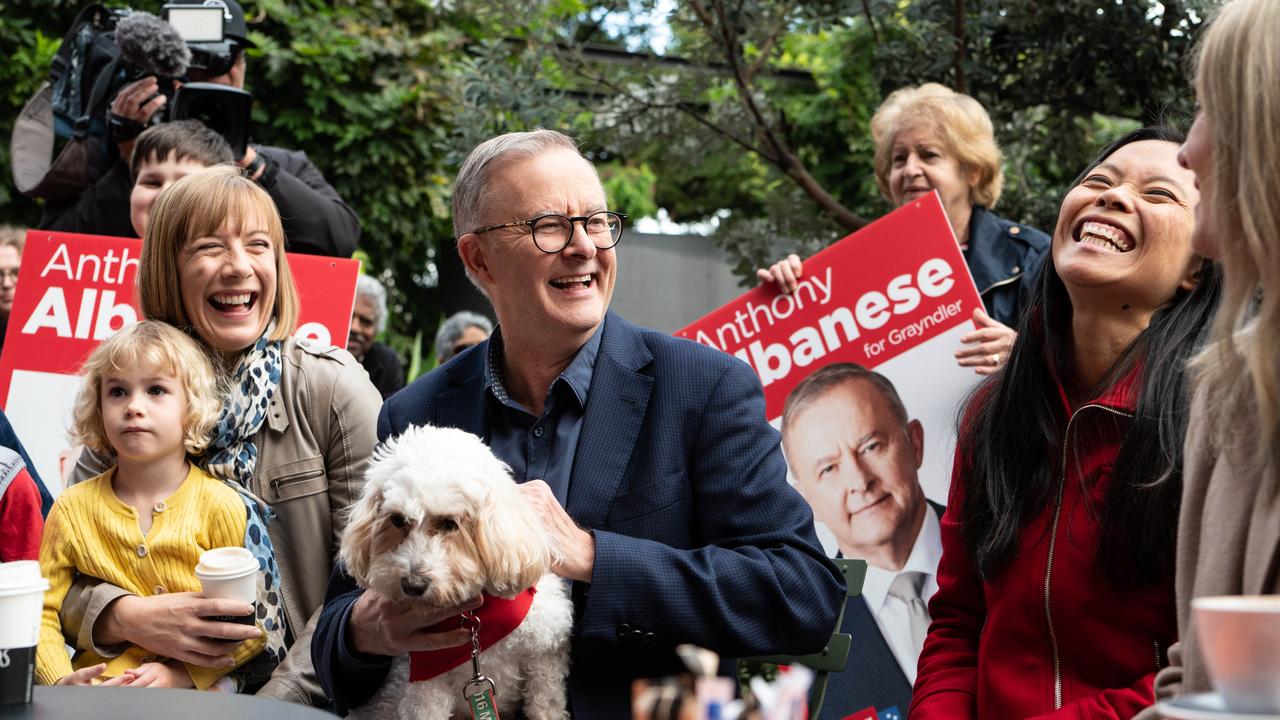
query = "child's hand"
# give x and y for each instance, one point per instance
(160, 675)
(86, 676)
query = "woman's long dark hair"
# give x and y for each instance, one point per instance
(1014, 426)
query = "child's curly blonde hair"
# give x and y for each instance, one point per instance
(159, 345)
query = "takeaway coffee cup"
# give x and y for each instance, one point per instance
(21, 602)
(1239, 639)
(232, 573)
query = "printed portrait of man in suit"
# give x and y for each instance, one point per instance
(854, 453)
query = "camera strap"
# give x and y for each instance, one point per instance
(97, 97)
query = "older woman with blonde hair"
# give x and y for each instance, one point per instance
(296, 429)
(1229, 527)
(931, 138)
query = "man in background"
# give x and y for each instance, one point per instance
(854, 453)
(368, 320)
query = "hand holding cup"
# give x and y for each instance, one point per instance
(230, 573)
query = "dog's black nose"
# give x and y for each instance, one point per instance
(413, 589)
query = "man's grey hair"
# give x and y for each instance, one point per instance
(368, 286)
(471, 187)
(14, 236)
(451, 329)
(832, 376)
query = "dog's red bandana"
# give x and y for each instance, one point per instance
(498, 617)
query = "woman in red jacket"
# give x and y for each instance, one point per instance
(1055, 590)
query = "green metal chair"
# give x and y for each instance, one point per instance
(833, 657)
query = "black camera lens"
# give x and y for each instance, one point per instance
(225, 110)
(213, 59)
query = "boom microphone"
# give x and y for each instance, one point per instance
(152, 45)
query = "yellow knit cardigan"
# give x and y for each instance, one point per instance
(92, 532)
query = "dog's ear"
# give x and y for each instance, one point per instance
(511, 542)
(357, 538)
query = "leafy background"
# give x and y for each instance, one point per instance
(749, 114)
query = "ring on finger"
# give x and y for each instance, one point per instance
(995, 360)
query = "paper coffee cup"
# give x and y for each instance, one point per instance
(231, 573)
(21, 602)
(1239, 639)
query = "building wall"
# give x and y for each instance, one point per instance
(667, 281)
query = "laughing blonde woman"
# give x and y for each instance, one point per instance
(1229, 528)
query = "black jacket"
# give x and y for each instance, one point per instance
(1004, 258)
(316, 220)
(383, 366)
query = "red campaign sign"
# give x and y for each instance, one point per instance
(870, 297)
(76, 290)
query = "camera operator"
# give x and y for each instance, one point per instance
(316, 220)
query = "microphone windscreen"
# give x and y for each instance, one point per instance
(149, 43)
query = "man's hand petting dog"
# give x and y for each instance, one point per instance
(381, 626)
(575, 548)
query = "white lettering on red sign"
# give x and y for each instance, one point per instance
(872, 310)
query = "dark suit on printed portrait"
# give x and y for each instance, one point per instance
(872, 676)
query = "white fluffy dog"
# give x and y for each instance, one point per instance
(440, 521)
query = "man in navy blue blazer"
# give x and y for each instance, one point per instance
(648, 457)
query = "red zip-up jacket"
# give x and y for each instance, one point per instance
(1050, 636)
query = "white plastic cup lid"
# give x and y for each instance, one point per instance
(21, 576)
(1238, 603)
(226, 561)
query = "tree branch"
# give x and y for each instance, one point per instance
(766, 48)
(702, 14)
(958, 32)
(680, 106)
(843, 216)
(729, 38)
(875, 30)
(786, 161)
(775, 151)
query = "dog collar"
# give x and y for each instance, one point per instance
(498, 617)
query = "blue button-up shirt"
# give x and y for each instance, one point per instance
(540, 447)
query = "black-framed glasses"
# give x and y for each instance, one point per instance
(552, 232)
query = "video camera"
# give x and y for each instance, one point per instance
(222, 108)
(203, 37)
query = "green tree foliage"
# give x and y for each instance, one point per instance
(1059, 79)
(755, 107)
(28, 45)
(762, 107)
(365, 88)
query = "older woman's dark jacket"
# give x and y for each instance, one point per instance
(1004, 258)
